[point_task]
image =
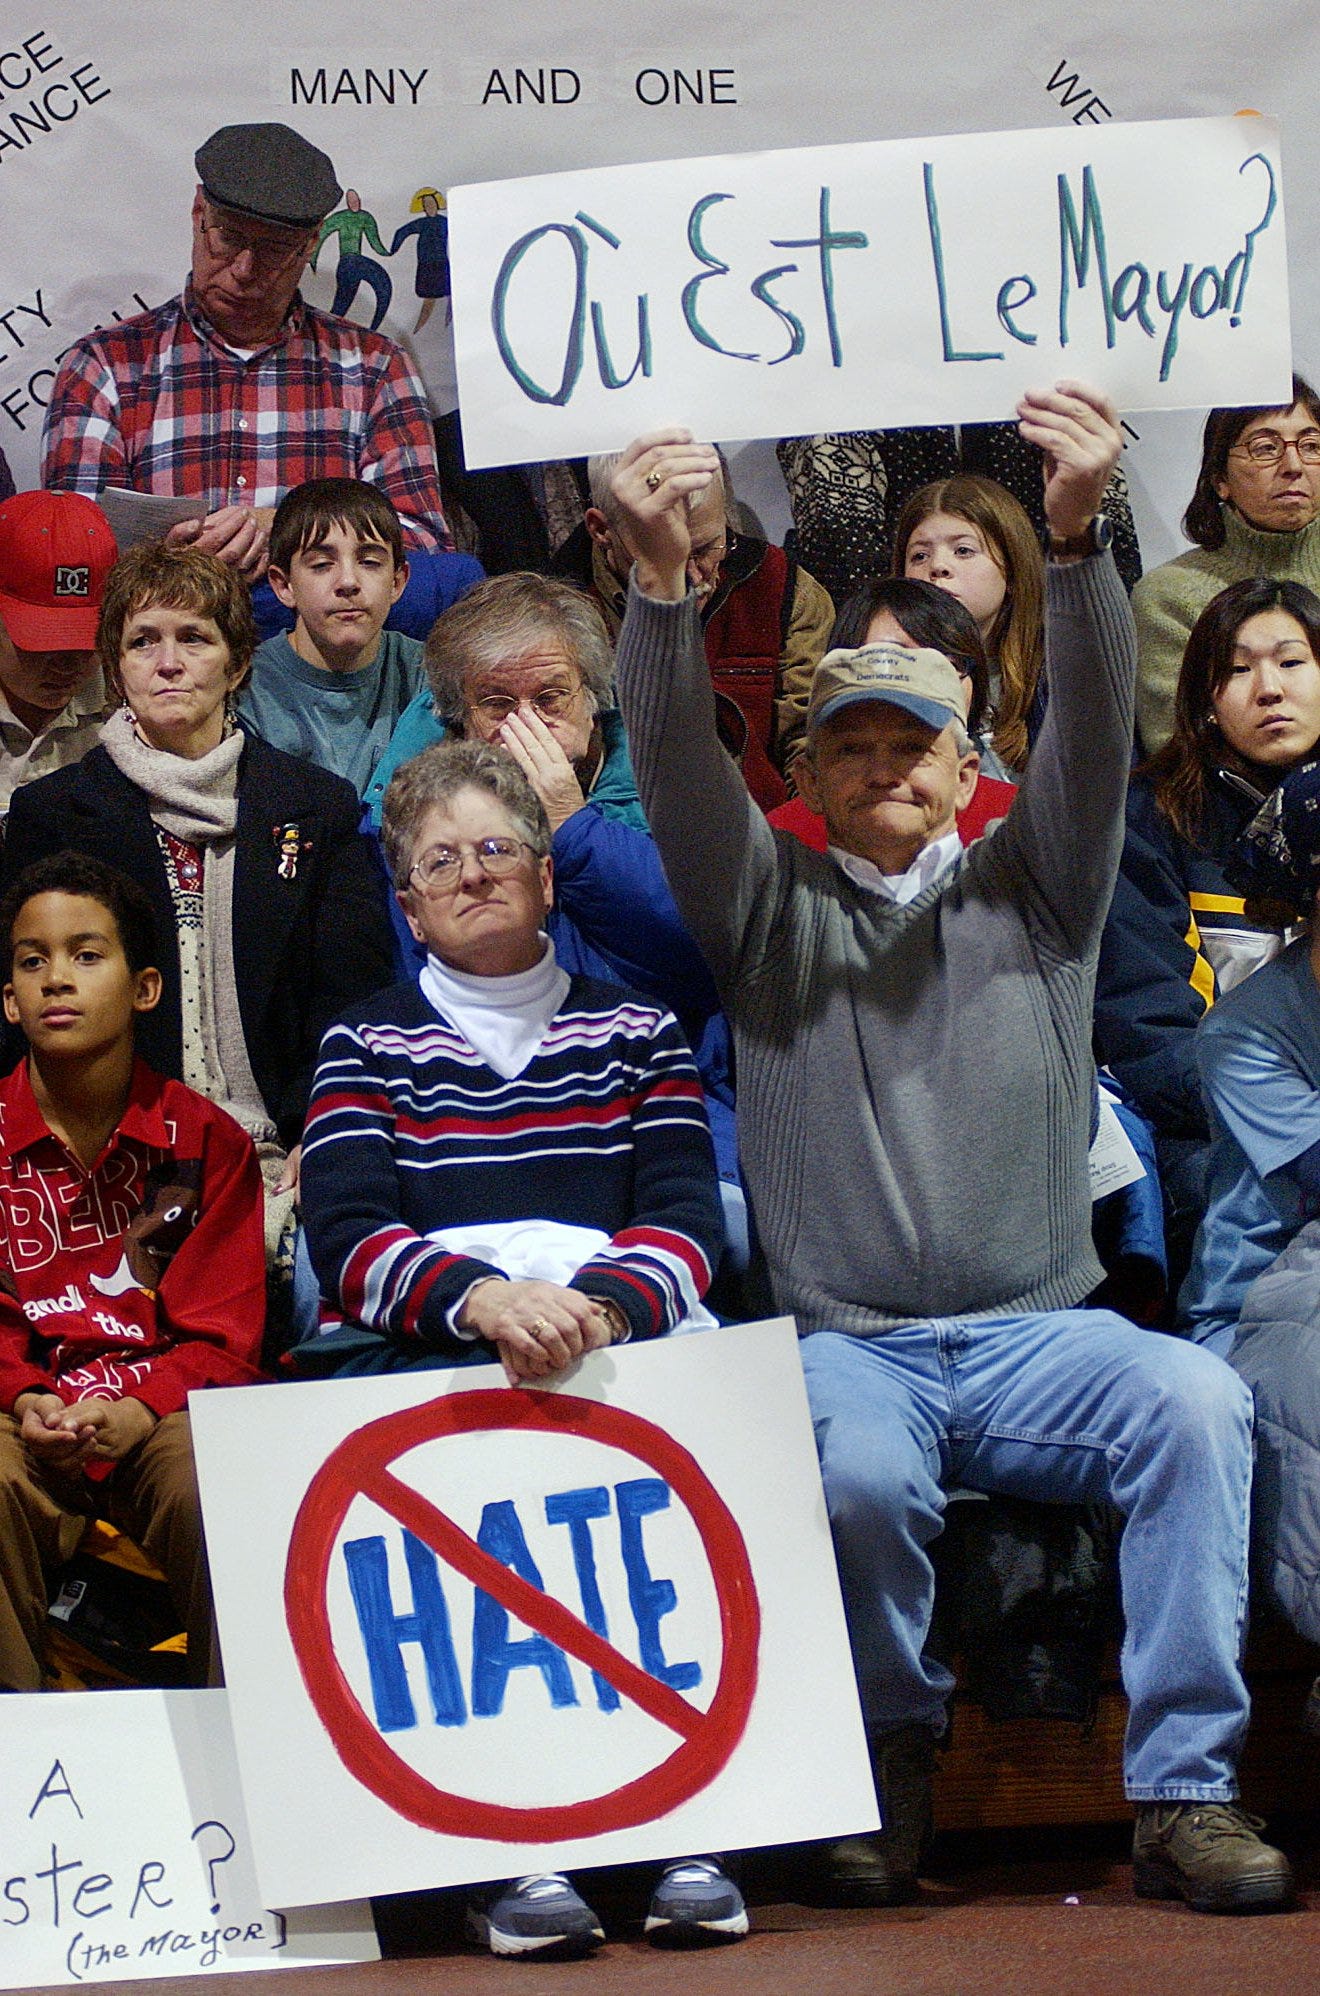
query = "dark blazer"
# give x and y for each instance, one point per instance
(305, 948)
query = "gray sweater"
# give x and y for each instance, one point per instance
(914, 1084)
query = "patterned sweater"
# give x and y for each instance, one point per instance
(409, 1131)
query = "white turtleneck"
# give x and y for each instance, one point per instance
(503, 1018)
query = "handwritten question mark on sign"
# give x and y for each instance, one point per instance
(1242, 261)
(218, 1858)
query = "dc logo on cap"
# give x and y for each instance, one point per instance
(73, 581)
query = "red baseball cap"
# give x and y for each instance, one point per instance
(56, 549)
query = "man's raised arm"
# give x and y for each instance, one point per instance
(1065, 830)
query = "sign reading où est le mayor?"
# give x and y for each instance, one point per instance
(861, 286)
(484, 1631)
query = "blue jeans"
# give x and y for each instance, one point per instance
(1071, 1407)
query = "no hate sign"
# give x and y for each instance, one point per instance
(500, 1564)
(864, 286)
(482, 1630)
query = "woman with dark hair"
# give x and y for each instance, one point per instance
(894, 609)
(1255, 511)
(1246, 713)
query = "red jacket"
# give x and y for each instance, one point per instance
(142, 1278)
(745, 626)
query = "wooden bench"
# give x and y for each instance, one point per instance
(1019, 1773)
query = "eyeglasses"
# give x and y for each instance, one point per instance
(439, 871)
(228, 244)
(552, 703)
(711, 553)
(1268, 447)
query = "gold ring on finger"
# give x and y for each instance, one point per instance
(654, 480)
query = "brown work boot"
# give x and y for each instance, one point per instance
(880, 1868)
(1208, 1853)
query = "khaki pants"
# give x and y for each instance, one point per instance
(151, 1494)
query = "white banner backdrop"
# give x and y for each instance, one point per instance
(103, 106)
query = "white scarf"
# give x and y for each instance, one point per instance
(504, 1019)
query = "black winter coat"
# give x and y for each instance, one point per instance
(306, 947)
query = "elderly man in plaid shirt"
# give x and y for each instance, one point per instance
(237, 390)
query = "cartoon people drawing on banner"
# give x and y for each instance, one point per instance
(352, 225)
(431, 229)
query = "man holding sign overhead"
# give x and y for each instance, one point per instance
(891, 999)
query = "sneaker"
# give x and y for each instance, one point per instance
(880, 1869)
(540, 1915)
(1211, 1855)
(694, 1904)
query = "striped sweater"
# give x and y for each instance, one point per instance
(409, 1130)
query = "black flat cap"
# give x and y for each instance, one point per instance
(269, 172)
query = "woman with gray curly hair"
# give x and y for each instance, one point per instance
(522, 664)
(507, 1162)
(523, 661)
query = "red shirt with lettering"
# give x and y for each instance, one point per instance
(142, 1278)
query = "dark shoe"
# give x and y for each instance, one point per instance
(694, 1904)
(1208, 1853)
(880, 1869)
(540, 1915)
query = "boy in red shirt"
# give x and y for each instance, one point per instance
(132, 1267)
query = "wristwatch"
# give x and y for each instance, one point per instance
(1093, 539)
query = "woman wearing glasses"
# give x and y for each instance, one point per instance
(270, 906)
(523, 663)
(1255, 511)
(505, 1162)
(497, 1089)
(1179, 934)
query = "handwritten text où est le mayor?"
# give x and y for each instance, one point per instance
(908, 280)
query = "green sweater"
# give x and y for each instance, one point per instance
(1168, 601)
(914, 1084)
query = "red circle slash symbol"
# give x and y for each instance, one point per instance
(360, 1466)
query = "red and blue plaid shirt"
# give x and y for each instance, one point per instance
(161, 404)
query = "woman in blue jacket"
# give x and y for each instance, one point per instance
(1179, 934)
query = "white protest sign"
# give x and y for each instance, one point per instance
(124, 1849)
(485, 1631)
(854, 287)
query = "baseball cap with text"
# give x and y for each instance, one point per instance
(916, 678)
(56, 549)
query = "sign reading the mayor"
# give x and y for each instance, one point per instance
(124, 1850)
(486, 1631)
(861, 286)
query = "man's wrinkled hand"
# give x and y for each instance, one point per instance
(1077, 428)
(654, 482)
